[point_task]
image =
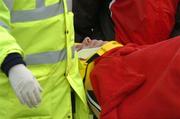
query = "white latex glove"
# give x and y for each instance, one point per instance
(24, 84)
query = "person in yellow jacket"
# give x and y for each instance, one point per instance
(39, 66)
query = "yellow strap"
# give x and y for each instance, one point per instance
(108, 46)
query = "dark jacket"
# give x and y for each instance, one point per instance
(92, 18)
(176, 30)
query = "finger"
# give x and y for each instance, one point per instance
(37, 95)
(38, 85)
(93, 43)
(33, 99)
(26, 100)
(100, 43)
(40, 89)
(89, 39)
(97, 43)
(78, 47)
(19, 96)
(86, 41)
(104, 42)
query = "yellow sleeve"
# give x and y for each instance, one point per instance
(8, 43)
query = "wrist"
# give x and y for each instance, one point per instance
(10, 61)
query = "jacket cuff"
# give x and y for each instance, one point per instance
(10, 61)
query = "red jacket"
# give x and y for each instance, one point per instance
(142, 79)
(143, 21)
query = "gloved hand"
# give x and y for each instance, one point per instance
(24, 84)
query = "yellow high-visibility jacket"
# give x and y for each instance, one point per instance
(42, 32)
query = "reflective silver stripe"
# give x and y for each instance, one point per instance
(69, 5)
(47, 57)
(4, 25)
(37, 14)
(9, 4)
(90, 100)
(40, 3)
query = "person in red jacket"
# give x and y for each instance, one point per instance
(142, 79)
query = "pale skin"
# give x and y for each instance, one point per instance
(90, 43)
